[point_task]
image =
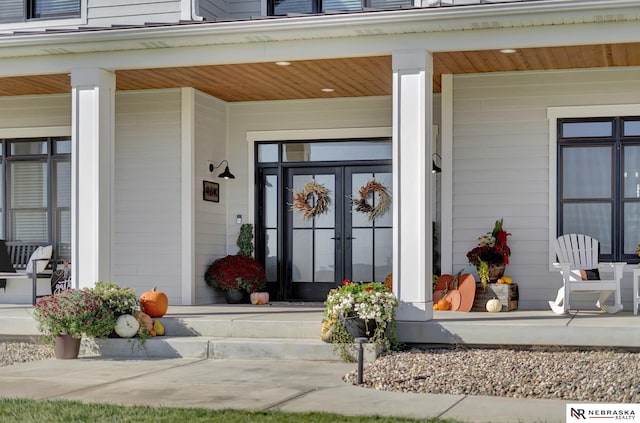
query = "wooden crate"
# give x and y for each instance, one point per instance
(506, 293)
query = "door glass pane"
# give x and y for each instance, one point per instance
(271, 201)
(63, 146)
(589, 219)
(328, 218)
(386, 180)
(362, 255)
(271, 254)
(587, 129)
(631, 174)
(267, 153)
(324, 255)
(335, 151)
(631, 128)
(383, 253)
(586, 172)
(358, 219)
(24, 148)
(299, 181)
(302, 256)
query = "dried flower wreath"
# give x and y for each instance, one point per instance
(313, 200)
(384, 200)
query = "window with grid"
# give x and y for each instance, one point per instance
(35, 198)
(599, 183)
(23, 10)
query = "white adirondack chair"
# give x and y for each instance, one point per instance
(580, 252)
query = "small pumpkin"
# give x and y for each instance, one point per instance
(326, 334)
(494, 305)
(146, 324)
(259, 298)
(126, 326)
(444, 304)
(155, 303)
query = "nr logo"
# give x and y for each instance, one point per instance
(577, 413)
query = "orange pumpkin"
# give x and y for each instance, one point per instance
(444, 304)
(155, 303)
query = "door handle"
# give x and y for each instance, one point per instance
(338, 237)
(349, 237)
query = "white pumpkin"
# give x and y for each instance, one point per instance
(127, 326)
(494, 305)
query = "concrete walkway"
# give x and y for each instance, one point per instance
(287, 385)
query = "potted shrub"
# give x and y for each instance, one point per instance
(359, 310)
(236, 275)
(491, 255)
(66, 317)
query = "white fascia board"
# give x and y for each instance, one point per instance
(544, 14)
(327, 48)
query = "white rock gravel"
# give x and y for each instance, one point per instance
(565, 374)
(12, 352)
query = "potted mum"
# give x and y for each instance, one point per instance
(66, 317)
(491, 255)
(236, 275)
(120, 300)
(359, 310)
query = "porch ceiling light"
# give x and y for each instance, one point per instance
(435, 168)
(508, 50)
(283, 63)
(226, 174)
(327, 90)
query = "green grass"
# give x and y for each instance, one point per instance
(22, 410)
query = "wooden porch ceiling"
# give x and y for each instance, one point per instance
(350, 77)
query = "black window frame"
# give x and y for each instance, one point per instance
(52, 210)
(618, 141)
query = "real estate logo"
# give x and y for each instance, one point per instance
(602, 412)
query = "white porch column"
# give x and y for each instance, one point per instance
(92, 155)
(412, 145)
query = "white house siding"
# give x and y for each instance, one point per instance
(210, 218)
(501, 163)
(31, 111)
(126, 12)
(147, 220)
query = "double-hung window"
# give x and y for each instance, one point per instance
(35, 191)
(599, 183)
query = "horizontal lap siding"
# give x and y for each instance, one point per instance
(35, 111)
(106, 12)
(501, 163)
(147, 230)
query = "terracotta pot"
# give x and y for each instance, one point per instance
(259, 298)
(67, 347)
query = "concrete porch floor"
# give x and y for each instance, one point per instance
(302, 322)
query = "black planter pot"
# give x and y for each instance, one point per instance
(235, 296)
(359, 328)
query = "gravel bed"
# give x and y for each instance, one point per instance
(564, 374)
(12, 352)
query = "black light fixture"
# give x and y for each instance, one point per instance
(226, 174)
(435, 168)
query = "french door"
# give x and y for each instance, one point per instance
(332, 243)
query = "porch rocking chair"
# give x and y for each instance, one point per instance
(578, 256)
